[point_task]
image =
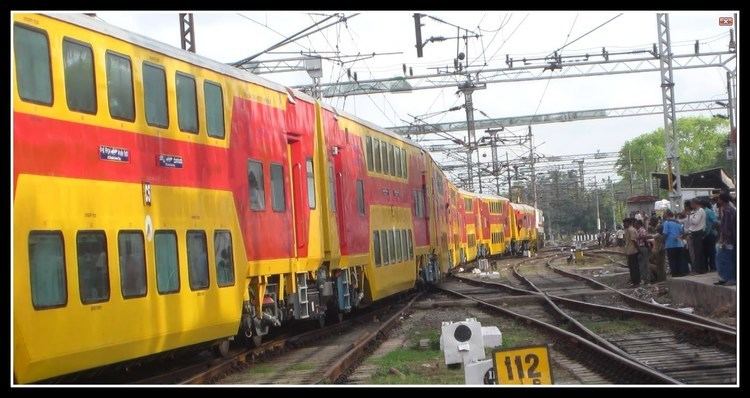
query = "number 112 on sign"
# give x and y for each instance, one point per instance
(523, 365)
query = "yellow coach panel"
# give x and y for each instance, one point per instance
(79, 336)
(398, 275)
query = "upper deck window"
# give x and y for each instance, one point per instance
(80, 86)
(155, 95)
(187, 103)
(33, 73)
(120, 87)
(214, 109)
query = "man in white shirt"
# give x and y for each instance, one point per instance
(695, 225)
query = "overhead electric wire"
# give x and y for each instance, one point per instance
(587, 33)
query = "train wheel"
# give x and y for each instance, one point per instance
(222, 349)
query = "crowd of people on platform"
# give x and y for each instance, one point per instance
(699, 239)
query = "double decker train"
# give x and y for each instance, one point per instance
(163, 200)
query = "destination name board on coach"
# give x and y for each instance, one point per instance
(170, 161)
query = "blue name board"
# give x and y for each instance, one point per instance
(114, 154)
(171, 161)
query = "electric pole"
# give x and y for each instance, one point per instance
(630, 171)
(596, 197)
(495, 166)
(670, 120)
(531, 159)
(614, 202)
(732, 127)
(187, 32)
(507, 162)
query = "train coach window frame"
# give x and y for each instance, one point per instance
(378, 161)
(392, 246)
(30, 88)
(159, 263)
(404, 163)
(397, 161)
(131, 284)
(214, 109)
(278, 202)
(223, 256)
(150, 91)
(99, 278)
(391, 161)
(116, 90)
(80, 85)
(196, 270)
(361, 197)
(384, 247)
(332, 187)
(368, 153)
(40, 286)
(186, 100)
(310, 175)
(376, 248)
(397, 244)
(259, 188)
(384, 157)
(411, 244)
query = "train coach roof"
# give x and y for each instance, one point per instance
(522, 207)
(102, 27)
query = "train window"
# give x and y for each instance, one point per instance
(214, 101)
(404, 168)
(397, 160)
(155, 95)
(384, 247)
(332, 187)
(361, 196)
(47, 269)
(197, 251)
(411, 247)
(376, 247)
(33, 73)
(93, 271)
(120, 87)
(392, 247)
(368, 154)
(404, 244)
(167, 263)
(384, 157)
(224, 258)
(376, 154)
(391, 164)
(278, 196)
(132, 264)
(310, 183)
(80, 88)
(187, 103)
(397, 244)
(256, 186)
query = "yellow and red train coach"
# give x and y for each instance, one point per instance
(165, 200)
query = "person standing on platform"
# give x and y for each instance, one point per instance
(710, 236)
(672, 230)
(695, 225)
(657, 250)
(642, 238)
(726, 257)
(620, 237)
(682, 218)
(631, 250)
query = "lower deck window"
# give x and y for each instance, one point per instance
(47, 269)
(132, 264)
(197, 251)
(224, 258)
(93, 272)
(167, 265)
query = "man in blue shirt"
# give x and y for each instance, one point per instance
(672, 230)
(710, 236)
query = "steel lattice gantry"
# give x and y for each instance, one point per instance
(609, 66)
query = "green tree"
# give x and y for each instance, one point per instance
(702, 144)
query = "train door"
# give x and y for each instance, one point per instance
(299, 169)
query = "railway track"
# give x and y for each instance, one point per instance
(331, 369)
(681, 347)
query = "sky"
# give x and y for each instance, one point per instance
(230, 36)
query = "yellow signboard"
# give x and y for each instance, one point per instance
(523, 365)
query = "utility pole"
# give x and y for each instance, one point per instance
(507, 162)
(187, 32)
(596, 197)
(495, 166)
(468, 89)
(670, 120)
(630, 171)
(646, 176)
(531, 158)
(732, 126)
(614, 201)
(580, 176)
